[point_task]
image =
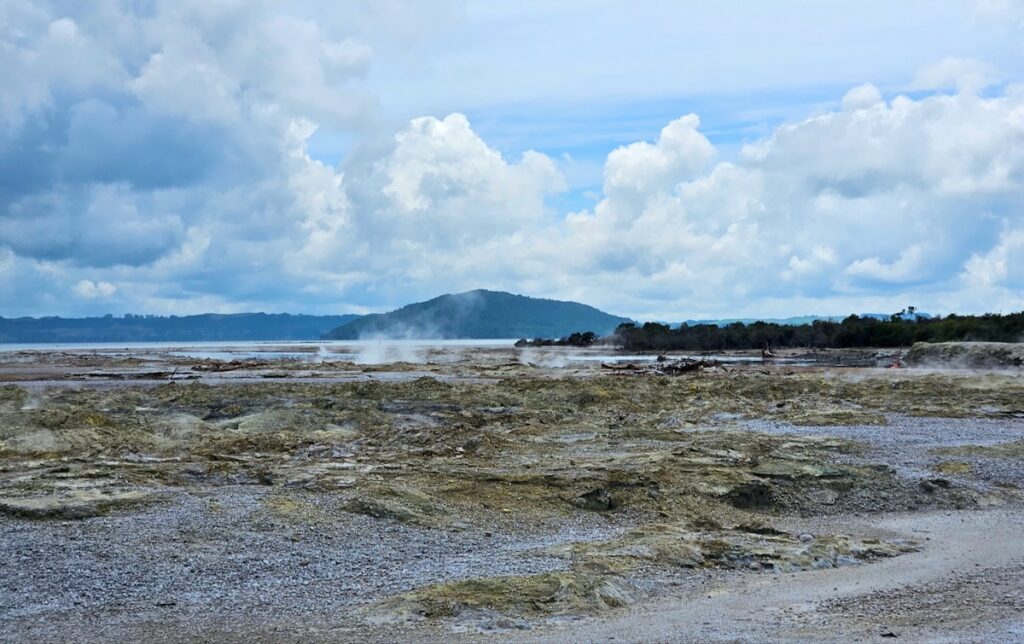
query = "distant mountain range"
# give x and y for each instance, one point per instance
(481, 314)
(189, 328)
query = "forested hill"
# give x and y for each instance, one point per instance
(481, 314)
(190, 328)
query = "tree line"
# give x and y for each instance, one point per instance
(900, 330)
(585, 339)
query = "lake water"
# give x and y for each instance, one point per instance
(290, 347)
(359, 351)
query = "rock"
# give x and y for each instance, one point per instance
(953, 467)
(793, 470)
(671, 423)
(934, 485)
(506, 624)
(550, 593)
(472, 444)
(197, 470)
(598, 500)
(76, 505)
(395, 502)
(750, 495)
(415, 407)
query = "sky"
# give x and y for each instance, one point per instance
(659, 160)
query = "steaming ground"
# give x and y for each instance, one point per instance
(328, 493)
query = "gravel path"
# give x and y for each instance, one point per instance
(965, 585)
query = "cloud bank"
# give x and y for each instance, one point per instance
(155, 157)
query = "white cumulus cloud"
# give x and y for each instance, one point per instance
(158, 155)
(91, 290)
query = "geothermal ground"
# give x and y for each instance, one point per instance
(482, 493)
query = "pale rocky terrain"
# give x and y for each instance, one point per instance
(490, 493)
(968, 355)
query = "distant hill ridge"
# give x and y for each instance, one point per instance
(806, 319)
(481, 314)
(189, 328)
(475, 314)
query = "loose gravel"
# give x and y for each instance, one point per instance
(220, 553)
(907, 444)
